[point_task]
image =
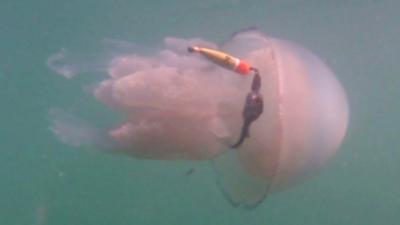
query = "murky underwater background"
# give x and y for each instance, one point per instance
(46, 182)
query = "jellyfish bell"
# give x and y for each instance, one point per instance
(303, 124)
(178, 107)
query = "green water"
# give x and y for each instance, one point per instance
(46, 182)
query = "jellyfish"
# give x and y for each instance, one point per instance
(177, 106)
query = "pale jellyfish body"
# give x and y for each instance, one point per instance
(179, 106)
